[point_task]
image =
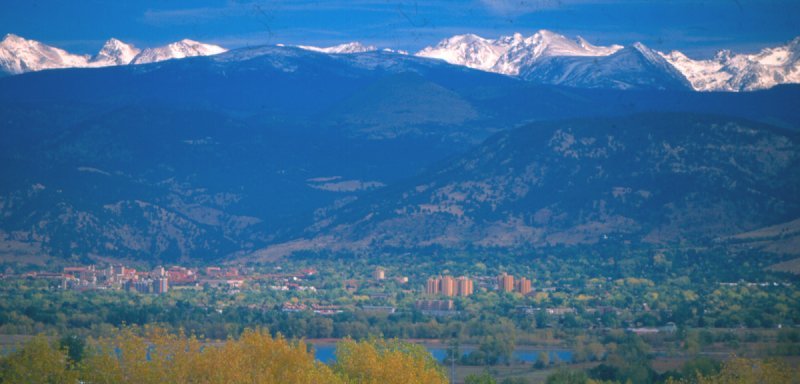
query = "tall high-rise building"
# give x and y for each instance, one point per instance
(432, 286)
(464, 286)
(524, 286)
(160, 285)
(448, 286)
(505, 282)
(379, 274)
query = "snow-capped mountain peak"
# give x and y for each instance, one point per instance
(651, 55)
(351, 47)
(509, 54)
(633, 67)
(728, 71)
(18, 55)
(516, 38)
(599, 50)
(177, 50)
(469, 50)
(11, 38)
(115, 52)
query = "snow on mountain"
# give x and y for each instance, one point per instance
(509, 54)
(177, 50)
(517, 55)
(741, 72)
(470, 50)
(551, 58)
(352, 47)
(19, 55)
(546, 44)
(596, 50)
(704, 75)
(397, 51)
(535, 58)
(634, 67)
(114, 52)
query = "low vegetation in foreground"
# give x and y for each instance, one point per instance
(153, 355)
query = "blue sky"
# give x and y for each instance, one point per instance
(698, 27)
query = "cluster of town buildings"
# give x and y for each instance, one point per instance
(156, 281)
(160, 280)
(464, 286)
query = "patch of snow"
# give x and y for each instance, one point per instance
(352, 47)
(177, 50)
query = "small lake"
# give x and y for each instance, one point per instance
(326, 353)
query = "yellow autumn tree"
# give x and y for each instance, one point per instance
(38, 361)
(153, 355)
(386, 362)
(159, 357)
(256, 357)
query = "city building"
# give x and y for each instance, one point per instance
(464, 286)
(180, 275)
(379, 274)
(141, 286)
(524, 286)
(505, 283)
(161, 285)
(448, 286)
(432, 286)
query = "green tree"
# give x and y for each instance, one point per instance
(74, 345)
(564, 376)
(480, 378)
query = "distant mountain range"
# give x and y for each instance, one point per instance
(650, 178)
(20, 55)
(586, 65)
(259, 151)
(544, 58)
